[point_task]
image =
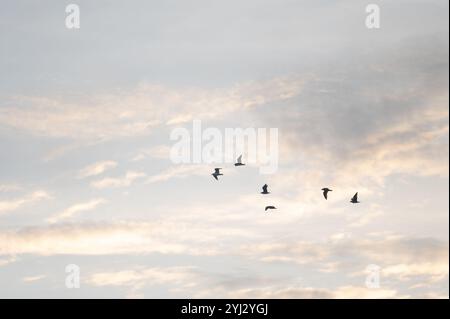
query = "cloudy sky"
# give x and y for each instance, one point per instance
(86, 179)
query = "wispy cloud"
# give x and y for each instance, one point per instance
(142, 276)
(147, 106)
(298, 292)
(4, 188)
(8, 206)
(436, 271)
(118, 182)
(33, 278)
(76, 209)
(122, 237)
(179, 171)
(96, 169)
(159, 152)
(7, 260)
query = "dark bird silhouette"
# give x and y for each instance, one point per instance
(264, 188)
(269, 207)
(239, 161)
(354, 199)
(217, 173)
(325, 192)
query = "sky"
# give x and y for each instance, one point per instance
(86, 176)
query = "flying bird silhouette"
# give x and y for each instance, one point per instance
(269, 207)
(239, 161)
(264, 188)
(325, 192)
(217, 173)
(354, 199)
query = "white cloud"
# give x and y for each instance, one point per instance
(8, 206)
(75, 209)
(33, 278)
(158, 152)
(178, 171)
(8, 260)
(117, 182)
(436, 271)
(122, 237)
(96, 169)
(399, 257)
(4, 188)
(147, 106)
(142, 276)
(345, 292)
(359, 220)
(349, 292)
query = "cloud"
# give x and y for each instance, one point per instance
(5, 188)
(118, 182)
(349, 292)
(361, 220)
(96, 169)
(138, 111)
(75, 209)
(436, 271)
(193, 282)
(8, 206)
(8, 260)
(143, 276)
(179, 171)
(122, 237)
(387, 250)
(386, 115)
(345, 292)
(158, 152)
(399, 258)
(33, 278)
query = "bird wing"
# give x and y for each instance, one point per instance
(355, 197)
(215, 176)
(325, 194)
(264, 188)
(239, 159)
(217, 170)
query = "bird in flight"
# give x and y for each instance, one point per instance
(325, 192)
(354, 199)
(269, 207)
(217, 173)
(239, 161)
(264, 188)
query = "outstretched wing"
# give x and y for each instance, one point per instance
(355, 197)
(217, 170)
(239, 159)
(215, 176)
(264, 188)
(325, 194)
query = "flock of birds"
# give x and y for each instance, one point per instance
(325, 191)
